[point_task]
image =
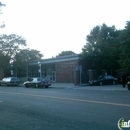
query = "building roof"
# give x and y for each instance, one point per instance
(56, 59)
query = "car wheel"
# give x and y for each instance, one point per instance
(36, 86)
(100, 83)
(26, 85)
(46, 86)
(113, 82)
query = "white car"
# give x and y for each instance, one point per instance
(10, 81)
(37, 82)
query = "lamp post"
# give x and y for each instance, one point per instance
(11, 71)
(39, 70)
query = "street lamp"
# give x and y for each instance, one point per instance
(11, 71)
(39, 70)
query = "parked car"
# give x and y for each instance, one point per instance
(104, 80)
(37, 82)
(10, 81)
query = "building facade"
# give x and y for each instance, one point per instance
(63, 69)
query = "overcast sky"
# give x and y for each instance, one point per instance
(52, 26)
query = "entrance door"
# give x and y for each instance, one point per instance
(53, 76)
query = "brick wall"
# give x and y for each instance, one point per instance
(64, 71)
(1, 74)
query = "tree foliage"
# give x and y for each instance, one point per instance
(25, 55)
(1, 5)
(4, 60)
(66, 53)
(12, 50)
(108, 48)
(125, 47)
(11, 44)
(101, 48)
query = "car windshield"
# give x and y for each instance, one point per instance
(37, 79)
(40, 79)
(100, 77)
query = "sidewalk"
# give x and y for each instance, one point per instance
(63, 85)
(117, 87)
(104, 88)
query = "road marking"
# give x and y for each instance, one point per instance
(69, 99)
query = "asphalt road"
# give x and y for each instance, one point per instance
(77, 108)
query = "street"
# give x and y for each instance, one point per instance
(74, 108)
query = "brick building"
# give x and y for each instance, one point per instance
(64, 69)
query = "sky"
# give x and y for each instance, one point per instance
(53, 26)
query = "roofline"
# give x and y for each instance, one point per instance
(56, 59)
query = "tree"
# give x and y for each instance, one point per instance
(25, 55)
(1, 5)
(101, 49)
(4, 60)
(125, 47)
(10, 45)
(66, 53)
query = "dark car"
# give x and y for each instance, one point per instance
(104, 80)
(37, 82)
(10, 81)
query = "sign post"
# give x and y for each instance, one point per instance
(80, 70)
(11, 72)
(39, 70)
